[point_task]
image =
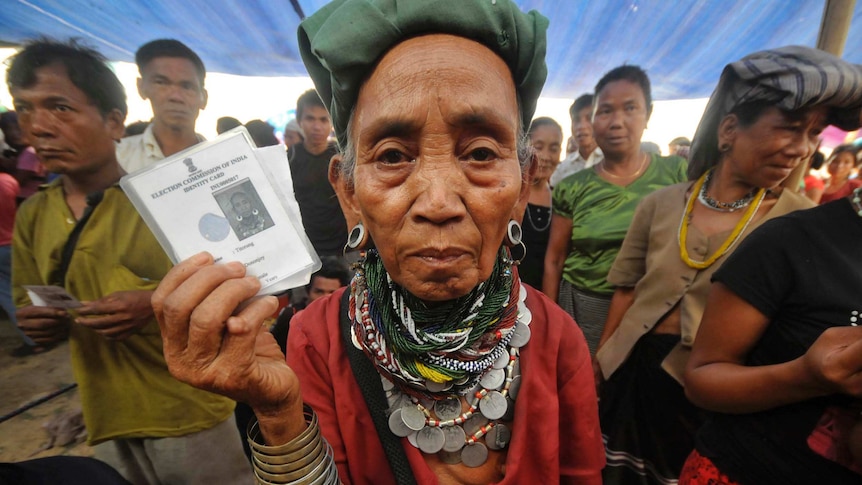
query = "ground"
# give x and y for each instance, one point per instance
(24, 380)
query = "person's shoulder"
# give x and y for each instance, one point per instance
(791, 200)
(8, 183)
(674, 192)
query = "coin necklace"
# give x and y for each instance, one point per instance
(731, 239)
(704, 198)
(465, 437)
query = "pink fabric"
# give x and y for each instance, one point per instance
(8, 193)
(29, 162)
(555, 430)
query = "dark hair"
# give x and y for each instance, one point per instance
(544, 121)
(136, 128)
(583, 101)
(307, 99)
(169, 48)
(226, 123)
(680, 141)
(332, 267)
(262, 133)
(87, 70)
(817, 160)
(632, 74)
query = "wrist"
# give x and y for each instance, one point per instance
(280, 424)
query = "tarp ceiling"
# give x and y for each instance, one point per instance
(682, 44)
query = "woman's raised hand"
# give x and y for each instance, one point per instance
(215, 340)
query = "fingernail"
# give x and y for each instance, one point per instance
(200, 258)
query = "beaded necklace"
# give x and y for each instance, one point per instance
(423, 348)
(728, 243)
(423, 389)
(857, 200)
(704, 198)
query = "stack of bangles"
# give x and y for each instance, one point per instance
(306, 459)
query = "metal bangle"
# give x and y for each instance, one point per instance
(253, 433)
(307, 473)
(308, 442)
(286, 465)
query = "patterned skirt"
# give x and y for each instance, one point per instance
(648, 425)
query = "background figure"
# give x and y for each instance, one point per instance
(322, 218)
(586, 154)
(262, 133)
(842, 166)
(812, 185)
(136, 128)
(593, 208)
(8, 207)
(28, 170)
(676, 146)
(172, 78)
(546, 138)
(292, 134)
(742, 155)
(650, 147)
(226, 123)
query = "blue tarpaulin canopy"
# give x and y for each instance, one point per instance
(682, 44)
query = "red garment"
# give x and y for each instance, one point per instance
(555, 429)
(700, 470)
(813, 182)
(844, 191)
(8, 193)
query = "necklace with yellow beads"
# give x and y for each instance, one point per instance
(729, 242)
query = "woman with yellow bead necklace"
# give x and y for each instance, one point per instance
(759, 125)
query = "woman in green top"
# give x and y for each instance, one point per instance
(593, 208)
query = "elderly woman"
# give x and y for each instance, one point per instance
(758, 127)
(436, 364)
(779, 354)
(593, 208)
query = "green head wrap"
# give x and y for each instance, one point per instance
(342, 42)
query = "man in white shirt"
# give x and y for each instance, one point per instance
(588, 153)
(172, 78)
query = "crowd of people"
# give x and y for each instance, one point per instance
(486, 311)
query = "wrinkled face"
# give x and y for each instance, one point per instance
(547, 141)
(437, 176)
(67, 131)
(316, 124)
(175, 91)
(321, 286)
(766, 152)
(620, 118)
(582, 129)
(241, 204)
(842, 165)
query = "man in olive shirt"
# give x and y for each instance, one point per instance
(82, 233)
